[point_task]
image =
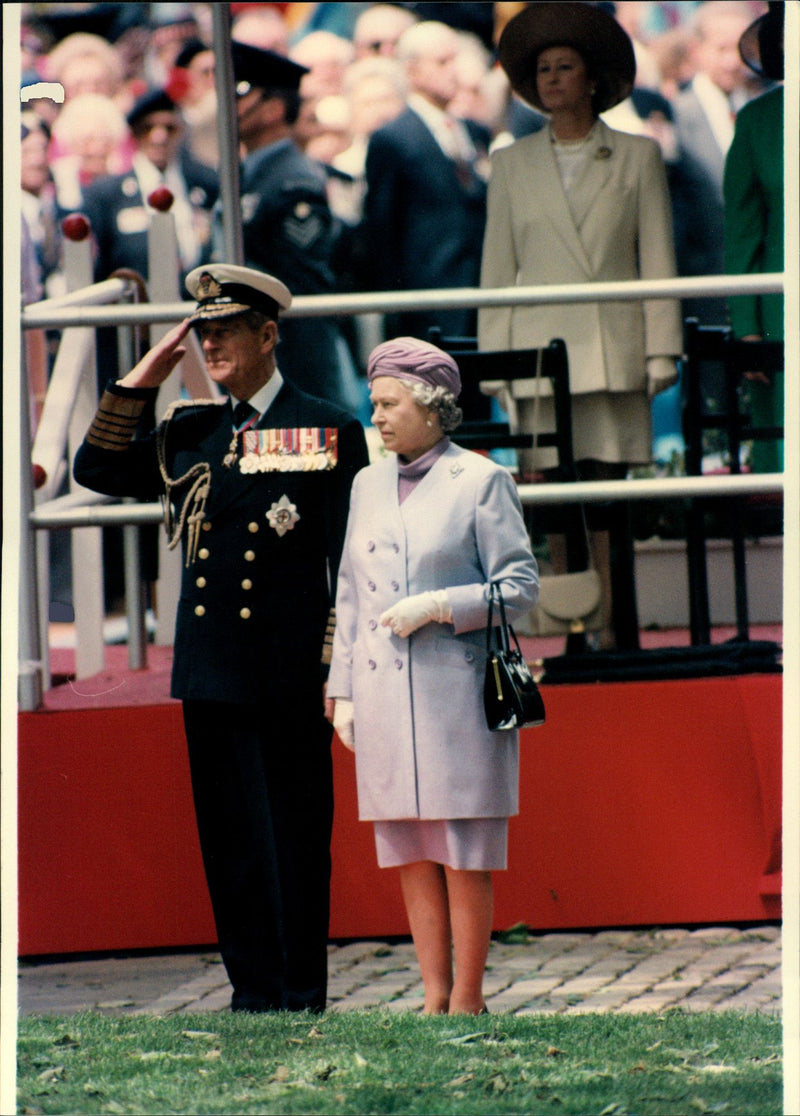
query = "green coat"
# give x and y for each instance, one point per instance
(753, 188)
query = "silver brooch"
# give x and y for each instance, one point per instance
(283, 515)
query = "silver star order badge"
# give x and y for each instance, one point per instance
(283, 515)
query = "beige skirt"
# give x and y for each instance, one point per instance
(612, 426)
(472, 844)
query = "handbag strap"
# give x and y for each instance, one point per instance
(505, 633)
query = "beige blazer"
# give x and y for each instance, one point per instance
(617, 225)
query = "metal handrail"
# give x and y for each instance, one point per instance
(50, 314)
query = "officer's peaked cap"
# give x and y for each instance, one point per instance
(254, 68)
(224, 290)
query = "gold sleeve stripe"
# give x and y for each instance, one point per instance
(327, 643)
(114, 424)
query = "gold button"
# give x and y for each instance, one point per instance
(249, 555)
(201, 583)
(244, 613)
(252, 528)
(202, 552)
(206, 525)
(247, 583)
(200, 610)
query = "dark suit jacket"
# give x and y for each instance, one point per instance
(254, 604)
(424, 218)
(120, 220)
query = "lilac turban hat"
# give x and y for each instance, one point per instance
(407, 358)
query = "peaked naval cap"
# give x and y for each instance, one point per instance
(224, 290)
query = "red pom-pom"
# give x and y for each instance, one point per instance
(39, 476)
(177, 84)
(76, 226)
(161, 199)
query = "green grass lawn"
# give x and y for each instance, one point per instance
(678, 1063)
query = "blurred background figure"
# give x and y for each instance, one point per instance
(425, 206)
(93, 140)
(171, 25)
(378, 29)
(40, 208)
(375, 91)
(85, 63)
(753, 189)
(260, 25)
(192, 86)
(117, 207)
(325, 57)
(287, 225)
(704, 115)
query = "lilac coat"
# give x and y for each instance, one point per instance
(422, 746)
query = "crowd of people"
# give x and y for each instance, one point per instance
(419, 98)
(385, 147)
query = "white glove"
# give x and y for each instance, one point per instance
(662, 373)
(343, 722)
(413, 612)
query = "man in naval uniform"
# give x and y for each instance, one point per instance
(257, 490)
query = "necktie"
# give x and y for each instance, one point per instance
(244, 416)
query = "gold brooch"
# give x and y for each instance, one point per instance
(207, 287)
(603, 153)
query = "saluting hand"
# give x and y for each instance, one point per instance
(157, 363)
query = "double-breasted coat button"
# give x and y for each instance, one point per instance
(247, 583)
(200, 583)
(202, 552)
(398, 664)
(249, 556)
(372, 664)
(370, 546)
(199, 610)
(206, 525)
(244, 613)
(371, 586)
(252, 528)
(395, 585)
(372, 625)
(469, 657)
(395, 548)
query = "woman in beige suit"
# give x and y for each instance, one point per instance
(580, 203)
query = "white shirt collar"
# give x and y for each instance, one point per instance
(265, 396)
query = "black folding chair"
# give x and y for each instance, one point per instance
(717, 344)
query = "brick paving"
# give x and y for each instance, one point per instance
(710, 968)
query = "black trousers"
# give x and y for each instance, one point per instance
(263, 793)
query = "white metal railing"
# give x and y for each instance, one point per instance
(72, 312)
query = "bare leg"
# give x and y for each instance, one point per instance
(425, 896)
(471, 901)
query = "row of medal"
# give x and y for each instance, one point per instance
(302, 449)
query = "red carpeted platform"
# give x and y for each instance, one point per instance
(642, 803)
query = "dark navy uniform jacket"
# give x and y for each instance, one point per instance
(255, 601)
(289, 232)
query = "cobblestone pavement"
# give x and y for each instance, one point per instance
(711, 968)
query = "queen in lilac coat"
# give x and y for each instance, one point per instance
(430, 526)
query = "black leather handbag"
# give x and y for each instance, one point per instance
(511, 698)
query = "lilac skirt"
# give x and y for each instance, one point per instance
(473, 844)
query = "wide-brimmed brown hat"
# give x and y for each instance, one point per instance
(597, 36)
(761, 45)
